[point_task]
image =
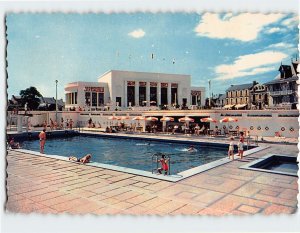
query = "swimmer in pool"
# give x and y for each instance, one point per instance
(191, 149)
(84, 159)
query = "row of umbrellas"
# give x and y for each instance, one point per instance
(183, 119)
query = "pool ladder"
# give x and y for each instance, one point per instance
(154, 165)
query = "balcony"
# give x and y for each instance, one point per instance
(285, 92)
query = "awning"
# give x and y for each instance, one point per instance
(240, 106)
(228, 106)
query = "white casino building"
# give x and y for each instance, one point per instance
(131, 89)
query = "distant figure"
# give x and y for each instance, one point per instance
(231, 149)
(241, 148)
(42, 137)
(84, 159)
(13, 144)
(164, 165)
(175, 129)
(71, 124)
(242, 137)
(45, 125)
(191, 149)
(62, 123)
(55, 125)
(197, 129)
(90, 121)
(51, 124)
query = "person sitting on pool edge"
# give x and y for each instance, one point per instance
(164, 165)
(84, 159)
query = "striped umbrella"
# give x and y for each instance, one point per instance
(167, 119)
(113, 118)
(124, 118)
(186, 119)
(208, 119)
(151, 119)
(138, 118)
(228, 119)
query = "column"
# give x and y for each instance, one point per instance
(158, 94)
(169, 94)
(136, 94)
(179, 94)
(148, 93)
(125, 95)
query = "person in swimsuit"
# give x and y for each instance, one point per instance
(231, 149)
(191, 149)
(42, 137)
(84, 159)
(13, 144)
(164, 165)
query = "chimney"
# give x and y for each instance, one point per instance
(254, 83)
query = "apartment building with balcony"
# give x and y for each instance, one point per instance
(283, 90)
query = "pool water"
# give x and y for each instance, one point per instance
(130, 153)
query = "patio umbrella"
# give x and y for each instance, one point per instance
(186, 119)
(228, 119)
(151, 119)
(167, 119)
(208, 119)
(138, 118)
(124, 118)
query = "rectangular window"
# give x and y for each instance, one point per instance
(88, 98)
(130, 95)
(194, 100)
(174, 96)
(142, 96)
(94, 99)
(75, 97)
(153, 96)
(118, 101)
(164, 96)
(100, 99)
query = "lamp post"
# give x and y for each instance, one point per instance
(56, 81)
(209, 97)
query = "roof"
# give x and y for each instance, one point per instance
(51, 100)
(294, 78)
(240, 87)
(223, 96)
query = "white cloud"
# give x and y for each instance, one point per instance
(290, 22)
(244, 27)
(280, 45)
(250, 64)
(272, 30)
(138, 33)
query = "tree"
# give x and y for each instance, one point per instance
(31, 97)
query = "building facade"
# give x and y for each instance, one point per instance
(283, 90)
(238, 96)
(259, 96)
(126, 89)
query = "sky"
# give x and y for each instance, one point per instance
(225, 48)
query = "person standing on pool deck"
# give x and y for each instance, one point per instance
(241, 148)
(42, 137)
(242, 137)
(231, 149)
(164, 165)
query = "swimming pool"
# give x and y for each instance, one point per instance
(131, 153)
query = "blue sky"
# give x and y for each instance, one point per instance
(225, 48)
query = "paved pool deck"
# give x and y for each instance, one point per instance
(47, 185)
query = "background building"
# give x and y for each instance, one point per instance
(125, 89)
(283, 90)
(238, 96)
(259, 96)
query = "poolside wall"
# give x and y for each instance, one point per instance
(257, 122)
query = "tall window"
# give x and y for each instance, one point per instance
(174, 96)
(94, 99)
(118, 101)
(130, 95)
(194, 99)
(153, 95)
(100, 99)
(142, 96)
(88, 98)
(164, 96)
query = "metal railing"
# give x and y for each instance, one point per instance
(155, 161)
(251, 140)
